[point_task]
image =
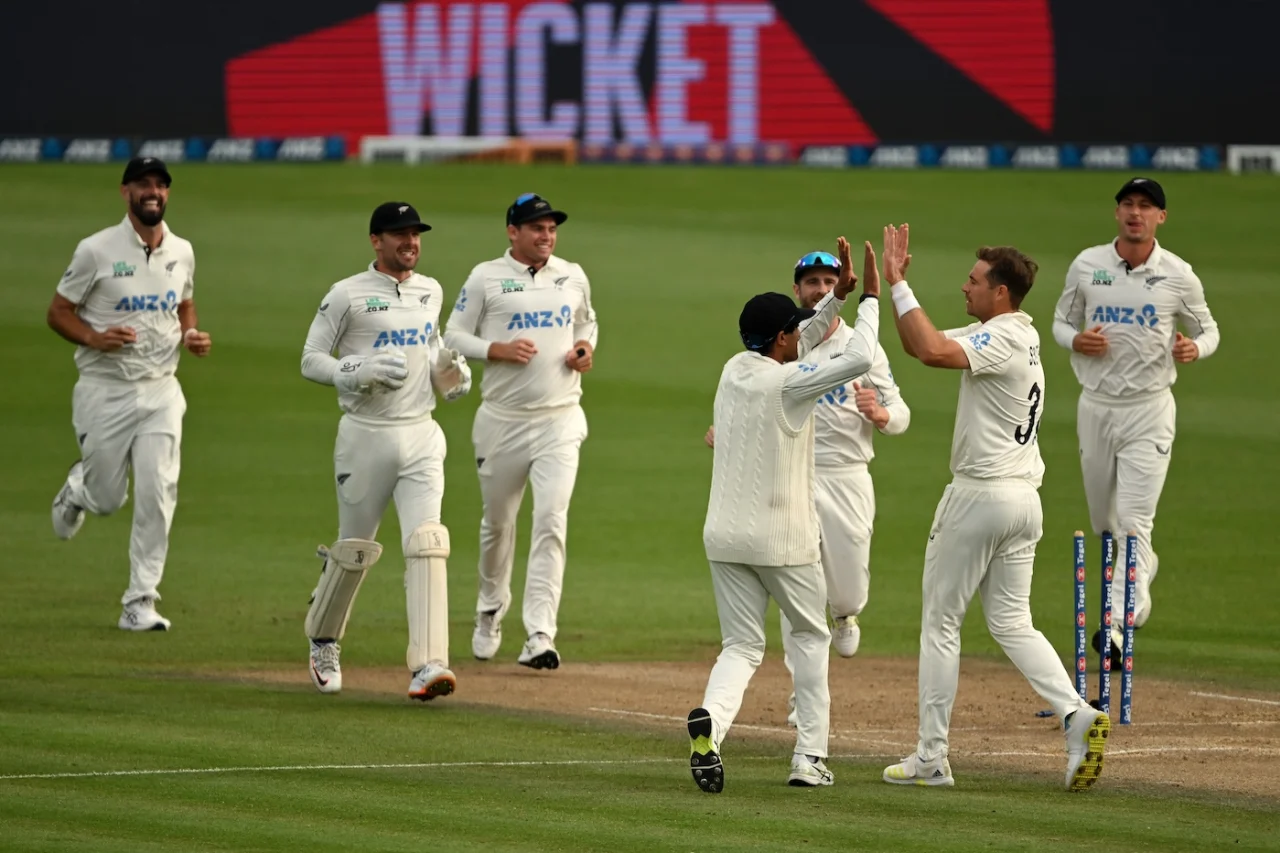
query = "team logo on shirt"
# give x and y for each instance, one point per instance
(148, 302)
(169, 267)
(424, 299)
(403, 337)
(1127, 315)
(1103, 278)
(560, 282)
(835, 397)
(510, 285)
(373, 304)
(541, 319)
(121, 269)
(1153, 280)
(68, 273)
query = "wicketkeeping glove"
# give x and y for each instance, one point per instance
(451, 375)
(358, 373)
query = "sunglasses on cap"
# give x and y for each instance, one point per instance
(815, 260)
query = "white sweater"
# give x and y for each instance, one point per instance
(761, 510)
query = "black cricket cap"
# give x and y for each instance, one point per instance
(394, 215)
(530, 206)
(767, 314)
(139, 166)
(1147, 187)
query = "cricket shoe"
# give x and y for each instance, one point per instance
(67, 516)
(704, 755)
(913, 770)
(846, 636)
(539, 653)
(431, 681)
(326, 672)
(140, 615)
(808, 771)
(1087, 732)
(1117, 650)
(487, 637)
(792, 719)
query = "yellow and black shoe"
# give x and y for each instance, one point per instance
(1087, 732)
(704, 758)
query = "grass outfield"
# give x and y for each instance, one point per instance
(672, 254)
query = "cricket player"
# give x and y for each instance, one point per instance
(845, 423)
(984, 533)
(127, 302)
(383, 325)
(1118, 315)
(528, 315)
(761, 531)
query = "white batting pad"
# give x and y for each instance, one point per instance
(427, 595)
(346, 563)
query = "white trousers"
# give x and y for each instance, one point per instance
(742, 596)
(1125, 448)
(846, 502)
(983, 539)
(510, 452)
(122, 425)
(374, 464)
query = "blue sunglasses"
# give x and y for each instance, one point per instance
(816, 259)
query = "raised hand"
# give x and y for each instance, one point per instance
(896, 257)
(870, 273)
(847, 280)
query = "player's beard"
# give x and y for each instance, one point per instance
(392, 263)
(146, 215)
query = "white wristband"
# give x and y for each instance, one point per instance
(903, 299)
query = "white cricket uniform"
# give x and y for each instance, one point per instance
(1126, 415)
(761, 532)
(843, 490)
(388, 445)
(529, 426)
(986, 527)
(127, 406)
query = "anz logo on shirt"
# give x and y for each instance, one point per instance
(404, 337)
(835, 397)
(979, 340)
(1126, 315)
(541, 319)
(148, 302)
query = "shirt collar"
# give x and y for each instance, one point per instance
(524, 268)
(1152, 261)
(389, 279)
(127, 225)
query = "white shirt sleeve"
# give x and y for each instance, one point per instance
(880, 377)
(585, 327)
(318, 363)
(79, 278)
(461, 332)
(962, 331)
(1196, 319)
(805, 383)
(813, 330)
(1068, 315)
(189, 286)
(989, 350)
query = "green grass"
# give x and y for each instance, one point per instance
(672, 254)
